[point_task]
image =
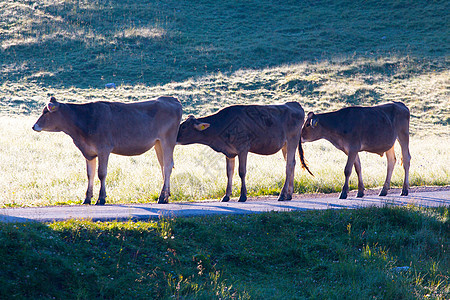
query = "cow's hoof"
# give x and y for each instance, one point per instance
(100, 202)
(284, 198)
(225, 199)
(360, 195)
(343, 195)
(242, 198)
(383, 193)
(404, 193)
(163, 200)
(87, 201)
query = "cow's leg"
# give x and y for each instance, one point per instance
(167, 151)
(390, 155)
(403, 139)
(242, 172)
(288, 188)
(291, 186)
(284, 151)
(347, 172)
(160, 156)
(230, 173)
(90, 167)
(102, 171)
(360, 180)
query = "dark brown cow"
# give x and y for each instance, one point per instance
(239, 129)
(372, 129)
(101, 128)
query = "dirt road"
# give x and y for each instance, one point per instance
(420, 196)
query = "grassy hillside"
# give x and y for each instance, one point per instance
(211, 54)
(388, 253)
(89, 43)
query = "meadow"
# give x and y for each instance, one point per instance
(371, 253)
(210, 54)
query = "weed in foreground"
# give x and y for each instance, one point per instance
(368, 253)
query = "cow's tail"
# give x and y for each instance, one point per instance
(302, 157)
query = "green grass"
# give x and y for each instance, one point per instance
(344, 254)
(90, 43)
(211, 54)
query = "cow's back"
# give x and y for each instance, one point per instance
(399, 114)
(131, 128)
(261, 129)
(140, 117)
(396, 115)
(259, 118)
(377, 127)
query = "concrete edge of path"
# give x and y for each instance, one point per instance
(434, 197)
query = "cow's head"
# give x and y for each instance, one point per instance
(51, 118)
(191, 131)
(311, 130)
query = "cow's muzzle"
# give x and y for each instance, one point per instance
(37, 128)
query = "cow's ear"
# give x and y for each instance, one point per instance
(52, 106)
(202, 126)
(53, 99)
(311, 120)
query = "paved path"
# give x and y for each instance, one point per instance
(438, 197)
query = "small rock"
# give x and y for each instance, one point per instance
(110, 85)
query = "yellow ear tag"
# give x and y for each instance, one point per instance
(203, 127)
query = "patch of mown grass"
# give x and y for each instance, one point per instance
(379, 253)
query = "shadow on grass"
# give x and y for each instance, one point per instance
(315, 254)
(128, 42)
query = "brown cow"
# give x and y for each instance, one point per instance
(239, 129)
(101, 128)
(372, 129)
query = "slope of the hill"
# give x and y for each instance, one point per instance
(89, 43)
